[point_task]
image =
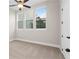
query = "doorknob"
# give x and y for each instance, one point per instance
(68, 37)
(67, 50)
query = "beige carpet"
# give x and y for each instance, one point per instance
(24, 50)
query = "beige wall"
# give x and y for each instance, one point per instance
(11, 24)
(50, 35)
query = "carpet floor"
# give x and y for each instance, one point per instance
(25, 50)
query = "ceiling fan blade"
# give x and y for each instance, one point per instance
(25, 1)
(16, 0)
(12, 5)
(26, 6)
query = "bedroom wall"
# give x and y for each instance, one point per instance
(11, 24)
(50, 35)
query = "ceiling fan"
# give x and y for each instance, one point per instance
(20, 4)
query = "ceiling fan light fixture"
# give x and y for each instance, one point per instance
(20, 5)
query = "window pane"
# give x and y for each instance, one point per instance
(21, 16)
(41, 12)
(41, 23)
(20, 24)
(29, 23)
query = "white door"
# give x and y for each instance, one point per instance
(65, 29)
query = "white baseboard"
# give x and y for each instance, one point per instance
(41, 43)
(10, 40)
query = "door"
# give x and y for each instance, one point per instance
(65, 29)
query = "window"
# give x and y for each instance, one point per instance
(24, 22)
(20, 21)
(41, 17)
(26, 18)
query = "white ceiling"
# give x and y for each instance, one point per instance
(30, 3)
